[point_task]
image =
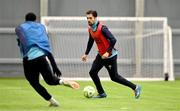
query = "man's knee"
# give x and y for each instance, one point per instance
(51, 82)
(116, 78)
(92, 73)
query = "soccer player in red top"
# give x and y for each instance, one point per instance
(107, 55)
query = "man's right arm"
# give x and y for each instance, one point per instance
(89, 45)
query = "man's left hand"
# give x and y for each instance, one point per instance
(105, 55)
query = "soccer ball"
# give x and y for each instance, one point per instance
(89, 91)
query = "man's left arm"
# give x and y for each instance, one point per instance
(19, 34)
(110, 37)
(20, 37)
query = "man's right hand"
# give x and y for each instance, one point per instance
(84, 57)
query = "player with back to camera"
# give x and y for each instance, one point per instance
(107, 55)
(35, 50)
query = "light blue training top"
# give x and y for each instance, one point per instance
(34, 53)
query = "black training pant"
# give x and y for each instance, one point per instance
(111, 65)
(32, 70)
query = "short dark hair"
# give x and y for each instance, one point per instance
(30, 16)
(93, 12)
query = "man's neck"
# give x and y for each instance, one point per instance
(94, 26)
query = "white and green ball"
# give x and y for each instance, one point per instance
(89, 91)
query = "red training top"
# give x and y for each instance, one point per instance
(101, 42)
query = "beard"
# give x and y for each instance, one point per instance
(90, 24)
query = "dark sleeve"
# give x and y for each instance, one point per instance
(17, 30)
(18, 41)
(89, 45)
(18, 33)
(20, 36)
(110, 37)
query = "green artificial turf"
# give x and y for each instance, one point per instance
(18, 95)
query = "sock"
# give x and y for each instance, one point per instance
(61, 81)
